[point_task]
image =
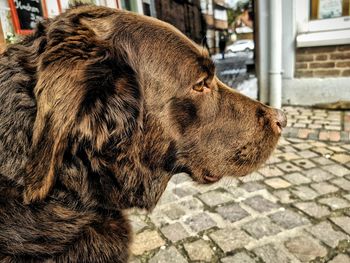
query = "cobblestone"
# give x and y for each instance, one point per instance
(240, 257)
(334, 202)
(199, 250)
(318, 175)
(341, 258)
(304, 193)
(324, 188)
(145, 241)
(313, 209)
(324, 232)
(337, 170)
(296, 208)
(215, 198)
(230, 239)
(200, 222)
(288, 219)
(260, 204)
(261, 227)
(269, 253)
(277, 183)
(297, 178)
(305, 248)
(174, 232)
(170, 255)
(232, 212)
(343, 222)
(342, 183)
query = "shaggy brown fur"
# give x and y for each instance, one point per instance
(99, 108)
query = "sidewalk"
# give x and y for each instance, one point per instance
(294, 209)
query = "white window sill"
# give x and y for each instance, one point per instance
(325, 38)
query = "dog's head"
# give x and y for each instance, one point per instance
(133, 100)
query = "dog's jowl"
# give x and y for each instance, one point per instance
(98, 109)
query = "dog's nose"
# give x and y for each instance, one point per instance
(280, 120)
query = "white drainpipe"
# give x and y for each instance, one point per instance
(275, 72)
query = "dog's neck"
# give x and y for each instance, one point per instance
(136, 176)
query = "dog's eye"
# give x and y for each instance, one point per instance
(199, 86)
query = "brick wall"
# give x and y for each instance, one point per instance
(322, 62)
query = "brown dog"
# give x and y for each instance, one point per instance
(99, 108)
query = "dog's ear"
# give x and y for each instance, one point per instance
(87, 93)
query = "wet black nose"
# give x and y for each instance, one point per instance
(281, 119)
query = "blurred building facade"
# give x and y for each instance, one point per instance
(186, 15)
(215, 17)
(315, 57)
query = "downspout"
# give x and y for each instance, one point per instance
(275, 72)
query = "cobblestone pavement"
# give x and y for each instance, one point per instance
(294, 209)
(317, 124)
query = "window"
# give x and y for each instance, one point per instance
(322, 22)
(325, 9)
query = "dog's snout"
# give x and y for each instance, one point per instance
(280, 120)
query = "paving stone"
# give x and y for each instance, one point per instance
(324, 232)
(287, 148)
(313, 209)
(214, 198)
(297, 178)
(334, 202)
(184, 190)
(146, 241)
(318, 175)
(199, 250)
(323, 150)
(255, 176)
(341, 158)
(302, 146)
(322, 161)
(277, 183)
(137, 223)
(337, 149)
(284, 196)
(192, 204)
(237, 192)
(342, 183)
(173, 211)
(347, 196)
(174, 232)
(288, 156)
(336, 169)
(200, 222)
(288, 167)
(260, 204)
(305, 193)
(170, 255)
(269, 253)
(261, 227)
(288, 219)
(181, 178)
(324, 188)
(252, 186)
(232, 212)
(303, 163)
(343, 222)
(305, 248)
(270, 171)
(307, 154)
(341, 258)
(273, 159)
(229, 239)
(167, 197)
(240, 257)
